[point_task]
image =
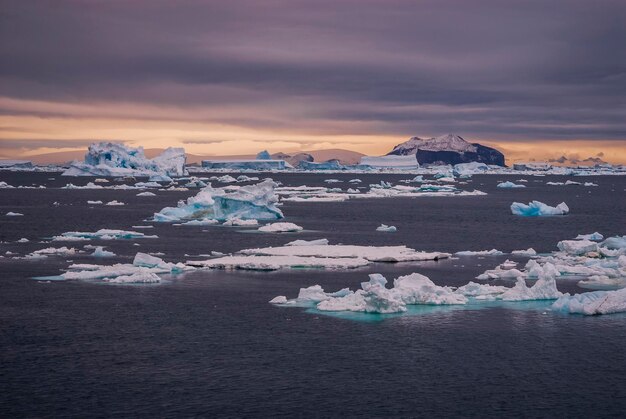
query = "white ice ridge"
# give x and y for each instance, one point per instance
(143, 269)
(591, 303)
(114, 159)
(102, 234)
(509, 185)
(536, 208)
(256, 201)
(323, 255)
(280, 228)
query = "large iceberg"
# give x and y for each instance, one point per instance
(113, 159)
(536, 208)
(250, 202)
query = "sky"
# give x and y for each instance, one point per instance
(536, 79)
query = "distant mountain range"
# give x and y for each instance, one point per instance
(448, 149)
(344, 156)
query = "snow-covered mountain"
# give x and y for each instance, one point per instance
(448, 149)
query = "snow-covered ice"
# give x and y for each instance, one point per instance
(280, 228)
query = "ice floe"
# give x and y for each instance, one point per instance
(102, 234)
(280, 228)
(386, 229)
(510, 185)
(592, 303)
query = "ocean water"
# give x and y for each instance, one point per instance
(208, 344)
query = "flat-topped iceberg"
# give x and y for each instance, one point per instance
(536, 208)
(509, 185)
(250, 202)
(114, 159)
(102, 234)
(280, 228)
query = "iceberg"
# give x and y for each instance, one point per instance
(536, 208)
(390, 162)
(250, 202)
(280, 228)
(14, 214)
(386, 229)
(510, 185)
(102, 234)
(113, 159)
(592, 303)
(99, 252)
(577, 247)
(593, 236)
(492, 252)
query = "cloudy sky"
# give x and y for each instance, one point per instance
(535, 78)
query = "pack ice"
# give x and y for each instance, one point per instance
(251, 202)
(113, 159)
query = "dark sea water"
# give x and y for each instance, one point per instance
(208, 343)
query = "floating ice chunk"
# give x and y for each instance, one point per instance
(244, 178)
(591, 303)
(135, 278)
(577, 247)
(247, 202)
(99, 252)
(114, 203)
(536, 208)
(4, 185)
(352, 190)
(143, 185)
(508, 264)
(603, 282)
(528, 252)
(333, 181)
(387, 229)
(237, 222)
(318, 242)
(281, 299)
(370, 253)
(500, 273)
(419, 289)
(473, 289)
(355, 181)
(224, 179)
(23, 240)
(102, 234)
(590, 184)
(51, 251)
(146, 194)
(614, 243)
(111, 159)
(593, 236)
(94, 202)
(509, 185)
(543, 289)
(99, 180)
(492, 252)
(280, 228)
(14, 214)
(272, 263)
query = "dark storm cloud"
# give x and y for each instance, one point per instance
(529, 68)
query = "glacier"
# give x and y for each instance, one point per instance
(257, 201)
(536, 208)
(114, 159)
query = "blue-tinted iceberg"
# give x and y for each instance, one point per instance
(113, 159)
(536, 208)
(251, 202)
